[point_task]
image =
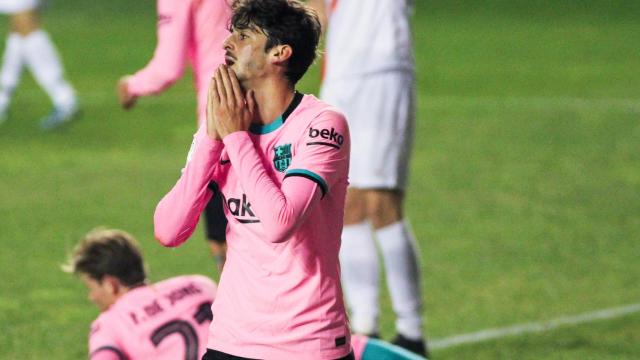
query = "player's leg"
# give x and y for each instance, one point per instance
(43, 61)
(13, 61)
(388, 169)
(399, 253)
(10, 72)
(359, 264)
(215, 229)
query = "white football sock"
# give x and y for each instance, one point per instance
(44, 62)
(12, 62)
(360, 276)
(399, 252)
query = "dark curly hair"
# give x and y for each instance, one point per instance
(284, 22)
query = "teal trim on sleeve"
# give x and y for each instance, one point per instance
(382, 350)
(311, 176)
(265, 129)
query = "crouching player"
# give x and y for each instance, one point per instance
(139, 320)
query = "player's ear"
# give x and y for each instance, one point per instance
(281, 53)
(111, 284)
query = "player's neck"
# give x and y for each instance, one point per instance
(123, 290)
(272, 99)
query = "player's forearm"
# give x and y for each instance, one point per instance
(281, 209)
(154, 79)
(170, 56)
(177, 214)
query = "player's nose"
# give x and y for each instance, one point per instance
(227, 44)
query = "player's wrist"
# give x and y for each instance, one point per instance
(213, 141)
(234, 137)
(233, 134)
(213, 134)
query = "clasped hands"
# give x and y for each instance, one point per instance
(229, 109)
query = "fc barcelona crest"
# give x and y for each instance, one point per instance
(282, 157)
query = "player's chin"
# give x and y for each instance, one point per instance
(240, 76)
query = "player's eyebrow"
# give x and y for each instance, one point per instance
(248, 28)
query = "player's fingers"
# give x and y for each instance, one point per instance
(122, 92)
(235, 87)
(215, 95)
(128, 103)
(220, 88)
(224, 75)
(211, 98)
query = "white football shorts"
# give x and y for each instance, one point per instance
(380, 110)
(9, 7)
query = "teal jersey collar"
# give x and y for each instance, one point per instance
(277, 123)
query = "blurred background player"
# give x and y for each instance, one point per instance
(369, 75)
(29, 45)
(138, 320)
(188, 31)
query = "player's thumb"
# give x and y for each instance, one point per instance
(251, 104)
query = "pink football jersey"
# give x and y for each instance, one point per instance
(284, 187)
(188, 30)
(166, 320)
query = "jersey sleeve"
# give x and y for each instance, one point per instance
(281, 209)
(103, 344)
(178, 212)
(170, 56)
(322, 154)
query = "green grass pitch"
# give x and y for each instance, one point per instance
(524, 191)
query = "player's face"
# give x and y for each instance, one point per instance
(100, 292)
(245, 54)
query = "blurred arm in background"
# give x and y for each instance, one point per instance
(169, 58)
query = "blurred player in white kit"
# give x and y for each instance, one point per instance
(369, 75)
(28, 44)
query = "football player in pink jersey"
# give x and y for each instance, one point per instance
(189, 31)
(139, 320)
(280, 159)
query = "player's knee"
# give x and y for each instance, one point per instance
(354, 212)
(25, 23)
(384, 208)
(351, 218)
